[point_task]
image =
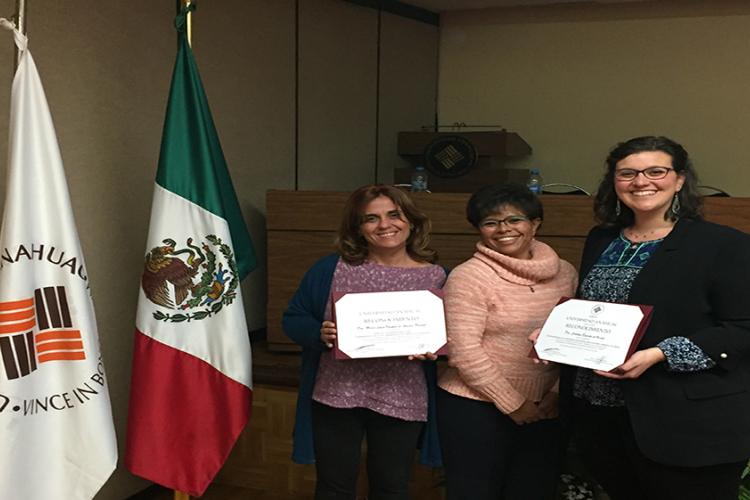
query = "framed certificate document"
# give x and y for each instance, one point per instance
(590, 334)
(384, 324)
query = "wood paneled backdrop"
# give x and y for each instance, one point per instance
(301, 228)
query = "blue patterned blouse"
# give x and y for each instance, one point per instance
(610, 280)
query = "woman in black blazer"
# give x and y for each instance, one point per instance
(672, 422)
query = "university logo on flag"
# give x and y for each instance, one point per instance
(38, 330)
(58, 440)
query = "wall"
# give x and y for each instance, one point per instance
(295, 91)
(573, 80)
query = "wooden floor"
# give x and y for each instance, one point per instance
(214, 492)
(224, 492)
(260, 466)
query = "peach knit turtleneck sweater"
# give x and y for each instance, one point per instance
(493, 302)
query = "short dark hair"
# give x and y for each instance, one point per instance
(352, 246)
(490, 198)
(605, 201)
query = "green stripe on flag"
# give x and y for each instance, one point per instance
(191, 162)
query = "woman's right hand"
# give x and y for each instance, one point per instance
(533, 338)
(328, 333)
(526, 414)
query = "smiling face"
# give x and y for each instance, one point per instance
(513, 236)
(646, 196)
(384, 226)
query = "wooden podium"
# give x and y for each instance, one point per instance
(492, 148)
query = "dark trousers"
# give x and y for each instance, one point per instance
(604, 438)
(487, 456)
(391, 447)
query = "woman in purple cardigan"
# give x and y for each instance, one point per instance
(382, 246)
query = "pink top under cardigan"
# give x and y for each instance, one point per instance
(493, 302)
(395, 387)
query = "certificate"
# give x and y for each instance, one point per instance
(597, 335)
(383, 324)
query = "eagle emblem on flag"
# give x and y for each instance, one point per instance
(199, 279)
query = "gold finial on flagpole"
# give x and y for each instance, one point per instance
(189, 27)
(20, 20)
(180, 495)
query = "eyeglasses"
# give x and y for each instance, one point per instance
(511, 221)
(650, 173)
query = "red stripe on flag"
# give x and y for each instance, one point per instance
(62, 356)
(58, 335)
(18, 327)
(16, 304)
(15, 316)
(184, 417)
(63, 345)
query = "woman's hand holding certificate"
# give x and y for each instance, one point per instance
(596, 335)
(382, 324)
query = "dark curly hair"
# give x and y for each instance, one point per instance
(606, 198)
(488, 199)
(352, 246)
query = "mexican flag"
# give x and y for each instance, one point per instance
(191, 386)
(57, 439)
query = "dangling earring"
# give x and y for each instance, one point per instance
(618, 209)
(676, 205)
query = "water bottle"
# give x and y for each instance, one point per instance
(535, 181)
(419, 179)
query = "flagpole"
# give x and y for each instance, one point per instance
(181, 495)
(20, 26)
(189, 27)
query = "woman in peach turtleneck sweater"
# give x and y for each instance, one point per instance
(497, 409)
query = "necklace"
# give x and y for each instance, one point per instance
(650, 235)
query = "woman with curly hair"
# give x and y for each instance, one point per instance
(672, 421)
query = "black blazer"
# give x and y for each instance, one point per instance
(699, 284)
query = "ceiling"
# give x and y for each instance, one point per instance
(444, 5)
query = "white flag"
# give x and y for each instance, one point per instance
(57, 437)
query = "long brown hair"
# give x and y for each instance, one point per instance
(352, 246)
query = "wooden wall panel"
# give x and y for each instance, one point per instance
(290, 254)
(733, 212)
(302, 227)
(321, 211)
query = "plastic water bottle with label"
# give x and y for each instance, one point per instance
(535, 181)
(419, 179)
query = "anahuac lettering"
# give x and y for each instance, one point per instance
(44, 253)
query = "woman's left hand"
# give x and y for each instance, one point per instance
(634, 367)
(428, 356)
